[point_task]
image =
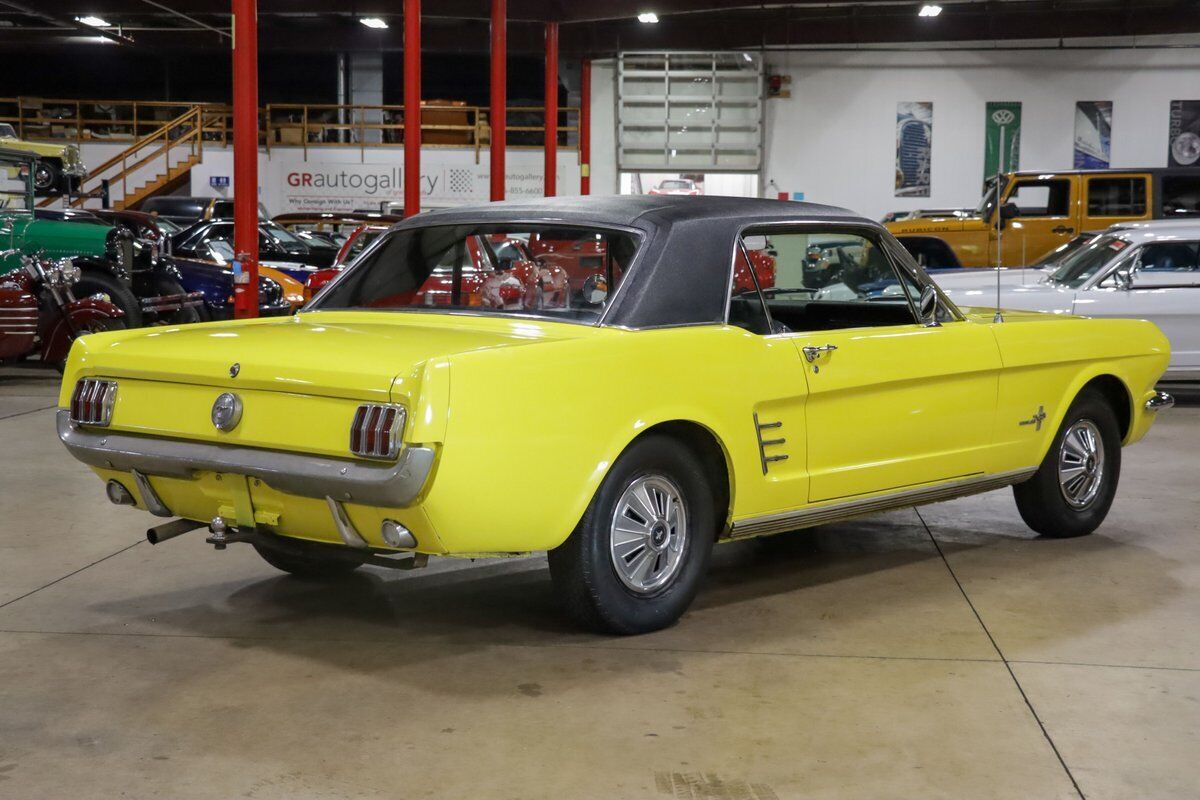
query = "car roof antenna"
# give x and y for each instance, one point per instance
(999, 317)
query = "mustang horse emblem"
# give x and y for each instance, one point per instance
(1037, 419)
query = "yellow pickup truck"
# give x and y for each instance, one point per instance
(1038, 211)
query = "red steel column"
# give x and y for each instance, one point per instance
(585, 127)
(412, 107)
(245, 156)
(499, 106)
(551, 124)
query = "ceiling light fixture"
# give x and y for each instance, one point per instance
(648, 18)
(929, 10)
(374, 22)
(93, 21)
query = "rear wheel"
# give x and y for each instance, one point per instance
(638, 556)
(307, 560)
(1074, 487)
(95, 282)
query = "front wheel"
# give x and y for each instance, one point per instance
(1074, 487)
(96, 282)
(638, 556)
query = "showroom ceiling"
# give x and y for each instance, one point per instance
(594, 28)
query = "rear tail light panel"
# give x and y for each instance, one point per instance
(377, 430)
(92, 401)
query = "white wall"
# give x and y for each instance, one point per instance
(604, 127)
(834, 139)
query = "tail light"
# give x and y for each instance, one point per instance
(376, 431)
(92, 401)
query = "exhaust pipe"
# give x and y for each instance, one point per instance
(170, 530)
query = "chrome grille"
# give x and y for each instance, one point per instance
(92, 401)
(376, 431)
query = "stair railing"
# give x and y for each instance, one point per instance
(185, 131)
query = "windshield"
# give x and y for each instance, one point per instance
(281, 233)
(675, 185)
(166, 226)
(1056, 256)
(456, 268)
(1085, 262)
(7, 131)
(359, 244)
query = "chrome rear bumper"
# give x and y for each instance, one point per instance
(391, 485)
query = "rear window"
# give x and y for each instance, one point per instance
(470, 268)
(1117, 197)
(1181, 196)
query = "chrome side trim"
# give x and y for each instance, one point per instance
(154, 503)
(838, 512)
(388, 485)
(345, 527)
(1160, 402)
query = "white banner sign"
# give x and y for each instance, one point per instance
(448, 178)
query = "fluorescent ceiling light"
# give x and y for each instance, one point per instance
(929, 10)
(648, 17)
(373, 22)
(95, 22)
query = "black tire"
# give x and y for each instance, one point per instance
(96, 326)
(96, 282)
(1043, 499)
(584, 569)
(47, 176)
(163, 286)
(308, 561)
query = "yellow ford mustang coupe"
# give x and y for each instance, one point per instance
(720, 368)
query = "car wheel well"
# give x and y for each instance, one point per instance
(1117, 395)
(930, 252)
(709, 452)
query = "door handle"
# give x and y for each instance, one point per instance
(813, 353)
(1062, 229)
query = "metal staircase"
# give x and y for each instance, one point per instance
(157, 162)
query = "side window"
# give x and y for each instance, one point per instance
(1116, 197)
(1169, 257)
(1049, 198)
(1181, 196)
(830, 279)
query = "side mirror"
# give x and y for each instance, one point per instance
(1008, 211)
(1123, 278)
(927, 307)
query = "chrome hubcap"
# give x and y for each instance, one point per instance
(649, 534)
(1081, 464)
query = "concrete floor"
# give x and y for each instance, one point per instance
(945, 654)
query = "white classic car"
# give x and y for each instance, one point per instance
(1147, 270)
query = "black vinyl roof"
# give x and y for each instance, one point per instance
(682, 272)
(635, 211)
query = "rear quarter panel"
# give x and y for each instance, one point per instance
(531, 432)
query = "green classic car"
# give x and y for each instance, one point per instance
(21, 230)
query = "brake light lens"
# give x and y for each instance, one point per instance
(92, 401)
(377, 430)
